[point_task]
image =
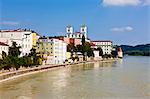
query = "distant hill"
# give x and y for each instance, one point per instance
(143, 49)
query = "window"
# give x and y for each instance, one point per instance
(82, 30)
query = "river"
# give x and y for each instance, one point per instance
(128, 78)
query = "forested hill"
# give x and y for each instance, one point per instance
(143, 49)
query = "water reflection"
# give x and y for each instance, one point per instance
(126, 78)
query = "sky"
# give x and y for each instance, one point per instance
(122, 21)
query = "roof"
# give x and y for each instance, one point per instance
(83, 25)
(12, 30)
(18, 30)
(69, 26)
(77, 33)
(3, 44)
(102, 41)
(92, 44)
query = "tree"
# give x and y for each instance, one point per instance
(14, 50)
(3, 55)
(79, 48)
(71, 48)
(12, 59)
(114, 54)
(34, 57)
(88, 50)
(100, 51)
(83, 40)
(83, 47)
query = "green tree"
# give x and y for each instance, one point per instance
(33, 56)
(114, 54)
(12, 59)
(100, 51)
(3, 55)
(79, 48)
(71, 48)
(83, 47)
(88, 50)
(14, 50)
(83, 40)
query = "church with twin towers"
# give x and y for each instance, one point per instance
(71, 34)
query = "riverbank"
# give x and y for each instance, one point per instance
(20, 73)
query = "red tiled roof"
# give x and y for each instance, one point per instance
(77, 32)
(92, 44)
(18, 30)
(11, 30)
(3, 44)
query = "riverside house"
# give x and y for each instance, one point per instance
(53, 50)
(26, 39)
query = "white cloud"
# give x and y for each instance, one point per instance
(122, 29)
(120, 2)
(146, 2)
(125, 2)
(11, 23)
(128, 28)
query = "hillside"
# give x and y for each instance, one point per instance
(143, 49)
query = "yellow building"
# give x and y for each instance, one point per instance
(34, 39)
(53, 51)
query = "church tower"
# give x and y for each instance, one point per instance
(83, 30)
(69, 29)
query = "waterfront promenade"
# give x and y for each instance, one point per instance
(10, 75)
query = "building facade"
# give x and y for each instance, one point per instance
(3, 48)
(106, 46)
(53, 50)
(74, 41)
(26, 39)
(77, 35)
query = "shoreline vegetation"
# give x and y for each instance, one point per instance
(11, 75)
(138, 50)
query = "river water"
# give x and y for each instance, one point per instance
(128, 78)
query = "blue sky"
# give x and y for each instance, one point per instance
(122, 21)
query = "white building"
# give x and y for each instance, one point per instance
(24, 38)
(59, 50)
(3, 47)
(54, 50)
(106, 46)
